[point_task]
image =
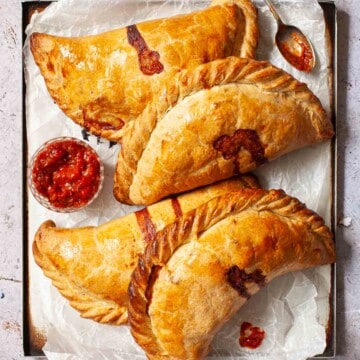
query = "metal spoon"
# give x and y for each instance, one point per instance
(294, 46)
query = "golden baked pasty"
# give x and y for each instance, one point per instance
(103, 81)
(219, 119)
(91, 266)
(197, 272)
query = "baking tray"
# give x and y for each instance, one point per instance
(34, 339)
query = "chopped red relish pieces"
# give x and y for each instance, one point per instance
(67, 173)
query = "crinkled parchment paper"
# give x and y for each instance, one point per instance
(293, 310)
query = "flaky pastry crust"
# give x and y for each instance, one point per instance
(104, 81)
(197, 272)
(91, 266)
(221, 118)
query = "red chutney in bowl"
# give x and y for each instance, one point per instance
(65, 174)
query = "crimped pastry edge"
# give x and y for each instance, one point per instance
(237, 70)
(251, 38)
(247, 49)
(87, 304)
(160, 250)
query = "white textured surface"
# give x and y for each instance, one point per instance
(88, 340)
(348, 267)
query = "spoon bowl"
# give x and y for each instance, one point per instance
(293, 45)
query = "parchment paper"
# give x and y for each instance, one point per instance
(293, 310)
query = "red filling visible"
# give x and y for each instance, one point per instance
(176, 206)
(145, 223)
(238, 279)
(148, 59)
(230, 145)
(67, 173)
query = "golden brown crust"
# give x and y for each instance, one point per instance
(91, 266)
(104, 81)
(247, 43)
(189, 130)
(89, 304)
(287, 237)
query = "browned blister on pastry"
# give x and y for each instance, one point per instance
(197, 272)
(104, 81)
(221, 118)
(91, 266)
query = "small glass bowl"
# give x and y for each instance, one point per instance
(42, 155)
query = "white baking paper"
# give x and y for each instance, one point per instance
(293, 310)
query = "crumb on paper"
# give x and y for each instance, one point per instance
(11, 326)
(346, 221)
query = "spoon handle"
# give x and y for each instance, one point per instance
(274, 12)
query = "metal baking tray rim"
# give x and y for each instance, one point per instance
(32, 340)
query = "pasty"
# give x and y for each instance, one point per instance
(103, 81)
(222, 118)
(91, 266)
(197, 272)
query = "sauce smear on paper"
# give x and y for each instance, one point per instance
(251, 336)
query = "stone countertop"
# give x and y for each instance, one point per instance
(348, 177)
